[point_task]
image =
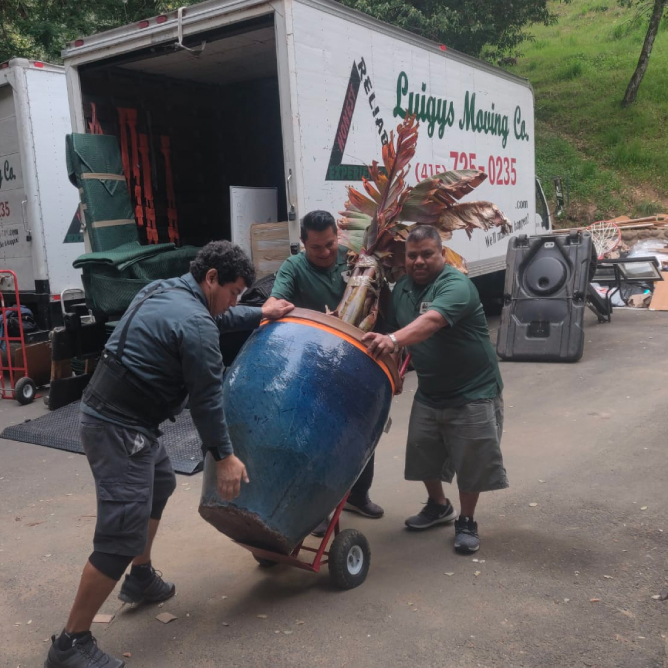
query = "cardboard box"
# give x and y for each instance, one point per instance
(270, 246)
(38, 357)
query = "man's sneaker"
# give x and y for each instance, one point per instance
(364, 507)
(84, 653)
(321, 529)
(433, 513)
(466, 535)
(151, 590)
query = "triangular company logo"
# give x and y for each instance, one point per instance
(74, 234)
(337, 170)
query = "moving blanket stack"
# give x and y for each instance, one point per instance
(119, 265)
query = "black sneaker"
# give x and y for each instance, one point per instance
(466, 535)
(365, 507)
(433, 513)
(151, 590)
(321, 529)
(84, 653)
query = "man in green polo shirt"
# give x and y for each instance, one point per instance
(316, 279)
(457, 416)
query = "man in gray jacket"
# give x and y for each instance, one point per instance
(164, 351)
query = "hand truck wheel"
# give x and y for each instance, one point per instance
(264, 563)
(349, 559)
(25, 390)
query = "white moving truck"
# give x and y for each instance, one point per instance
(39, 238)
(299, 95)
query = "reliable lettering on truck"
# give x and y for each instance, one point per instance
(285, 102)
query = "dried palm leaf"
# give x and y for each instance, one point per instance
(386, 188)
(472, 216)
(455, 260)
(431, 196)
(375, 225)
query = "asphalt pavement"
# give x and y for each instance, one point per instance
(573, 553)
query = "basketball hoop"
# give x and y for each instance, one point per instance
(606, 236)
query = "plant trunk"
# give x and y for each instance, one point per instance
(359, 303)
(643, 61)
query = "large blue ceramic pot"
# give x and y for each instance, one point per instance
(306, 406)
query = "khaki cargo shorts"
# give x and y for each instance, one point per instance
(465, 441)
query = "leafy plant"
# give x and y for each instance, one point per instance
(375, 226)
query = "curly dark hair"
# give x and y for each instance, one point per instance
(227, 259)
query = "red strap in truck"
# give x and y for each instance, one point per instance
(136, 174)
(125, 156)
(151, 229)
(172, 215)
(94, 125)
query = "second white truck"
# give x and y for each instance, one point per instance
(39, 238)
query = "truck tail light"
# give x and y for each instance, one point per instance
(161, 19)
(38, 63)
(78, 42)
(143, 24)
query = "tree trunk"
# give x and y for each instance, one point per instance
(643, 61)
(359, 304)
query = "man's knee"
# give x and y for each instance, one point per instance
(158, 508)
(164, 485)
(111, 565)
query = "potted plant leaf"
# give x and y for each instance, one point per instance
(374, 226)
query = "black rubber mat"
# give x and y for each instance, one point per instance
(60, 429)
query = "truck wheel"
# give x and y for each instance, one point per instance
(25, 390)
(349, 559)
(264, 563)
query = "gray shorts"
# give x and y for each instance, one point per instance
(132, 473)
(465, 440)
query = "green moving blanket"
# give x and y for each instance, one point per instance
(119, 265)
(95, 167)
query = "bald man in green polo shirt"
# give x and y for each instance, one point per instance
(457, 416)
(315, 279)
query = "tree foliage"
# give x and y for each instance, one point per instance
(40, 29)
(498, 26)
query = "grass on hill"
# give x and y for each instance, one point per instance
(615, 159)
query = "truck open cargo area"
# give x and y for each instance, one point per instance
(193, 123)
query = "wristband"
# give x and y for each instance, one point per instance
(393, 338)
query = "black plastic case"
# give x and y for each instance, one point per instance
(544, 298)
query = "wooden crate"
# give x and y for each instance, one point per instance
(270, 246)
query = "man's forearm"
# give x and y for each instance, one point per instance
(420, 329)
(239, 318)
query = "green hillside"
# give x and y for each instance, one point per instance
(616, 160)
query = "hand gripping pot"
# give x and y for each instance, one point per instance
(306, 406)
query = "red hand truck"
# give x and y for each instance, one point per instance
(18, 385)
(348, 556)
